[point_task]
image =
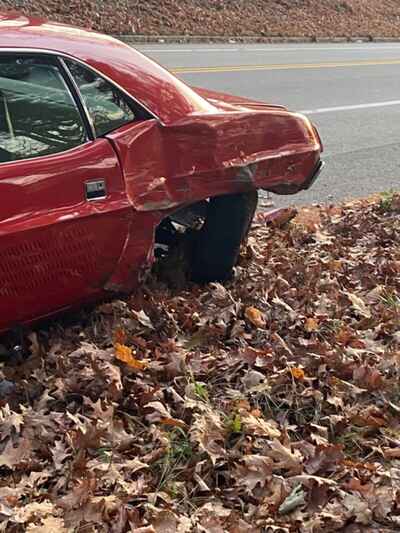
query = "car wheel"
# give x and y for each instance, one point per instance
(216, 247)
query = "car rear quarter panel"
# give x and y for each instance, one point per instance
(166, 167)
(211, 154)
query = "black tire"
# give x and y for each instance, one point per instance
(217, 245)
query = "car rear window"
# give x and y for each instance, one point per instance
(108, 107)
(38, 115)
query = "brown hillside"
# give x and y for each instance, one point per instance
(298, 18)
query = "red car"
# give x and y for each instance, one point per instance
(103, 151)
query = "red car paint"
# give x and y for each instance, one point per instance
(56, 248)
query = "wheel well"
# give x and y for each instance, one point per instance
(188, 217)
(205, 238)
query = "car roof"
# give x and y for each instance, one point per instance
(166, 97)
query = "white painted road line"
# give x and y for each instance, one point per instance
(349, 107)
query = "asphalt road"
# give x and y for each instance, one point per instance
(350, 91)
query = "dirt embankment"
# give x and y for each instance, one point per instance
(267, 18)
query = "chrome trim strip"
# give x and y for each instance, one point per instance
(27, 50)
(87, 117)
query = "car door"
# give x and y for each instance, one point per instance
(64, 215)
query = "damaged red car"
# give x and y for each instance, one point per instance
(104, 154)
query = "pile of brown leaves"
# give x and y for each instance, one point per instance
(288, 18)
(269, 404)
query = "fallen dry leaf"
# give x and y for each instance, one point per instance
(125, 354)
(50, 524)
(297, 373)
(255, 317)
(391, 453)
(311, 325)
(359, 305)
(285, 458)
(256, 425)
(234, 427)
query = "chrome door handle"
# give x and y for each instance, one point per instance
(95, 189)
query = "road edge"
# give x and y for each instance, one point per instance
(193, 39)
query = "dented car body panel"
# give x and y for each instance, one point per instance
(58, 246)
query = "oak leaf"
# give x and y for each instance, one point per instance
(285, 458)
(255, 317)
(311, 325)
(50, 524)
(125, 354)
(359, 305)
(297, 373)
(253, 425)
(255, 470)
(13, 456)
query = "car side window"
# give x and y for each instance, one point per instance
(108, 107)
(38, 115)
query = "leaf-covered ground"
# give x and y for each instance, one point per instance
(263, 18)
(269, 404)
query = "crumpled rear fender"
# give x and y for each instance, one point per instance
(210, 154)
(235, 151)
(167, 167)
